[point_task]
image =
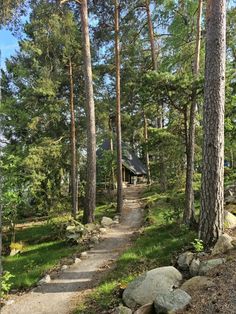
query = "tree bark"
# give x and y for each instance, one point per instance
(74, 180)
(146, 150)
(118, 116)
(151, 36)
(112, 151)
(189, 210)
(91, 129)
(212, 200)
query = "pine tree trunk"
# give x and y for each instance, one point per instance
(74, 181)
(151, 36)
(146, 150)
(112, 151)
(91, 130)
(212, 201)
(188, 217)
(118, 116)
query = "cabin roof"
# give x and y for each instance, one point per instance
(129, 158)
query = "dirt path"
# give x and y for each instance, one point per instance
(57, 296)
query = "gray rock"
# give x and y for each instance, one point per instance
(171, 301)
(9, 302)
(64, 267)
(230, 220)
(45, 279)
(121, 309)
(146, 309)
(84, 255)
(194, 267)
(223, 244)
(205, 266)
(14, 252)
(77, 260)
(185, 260)
(144, 289)
(91, 227)
(106, 222)
(103, 230)
(196, 283)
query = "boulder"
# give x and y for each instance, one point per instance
(146, 309)
(171, 301)
(121, 309)
(185, 260)
(106, 222)
(229, 220)
(194, 267)
(223, 244)
(196, 283)
(144, 289)
(205, 266)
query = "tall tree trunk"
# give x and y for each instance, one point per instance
(74, 180)
(146, 150)
(112, 151)
(189, 210)
(159, 111)
(151, 36)
(91, 130)
(212, 201)
(118, 116)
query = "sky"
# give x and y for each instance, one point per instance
(9, 43)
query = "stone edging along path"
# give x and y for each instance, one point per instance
(59, 295)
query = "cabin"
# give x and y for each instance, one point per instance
(133, 169)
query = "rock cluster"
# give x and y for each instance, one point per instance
(163, 289)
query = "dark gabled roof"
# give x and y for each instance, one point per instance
(129, 159)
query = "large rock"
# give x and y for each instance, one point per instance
(144, 289)
(106, 222)
(230, 220)
(196, 283)
(121, 309)
(194, 267)
(205, 266)
(171, 301)
(146, 309)
(223, 244)
(185, 260)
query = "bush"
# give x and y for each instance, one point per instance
(5, 284)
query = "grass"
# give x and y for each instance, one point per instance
(29, 266)
(161, 238)
(42, 250)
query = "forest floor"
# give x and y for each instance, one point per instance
(60, 295)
